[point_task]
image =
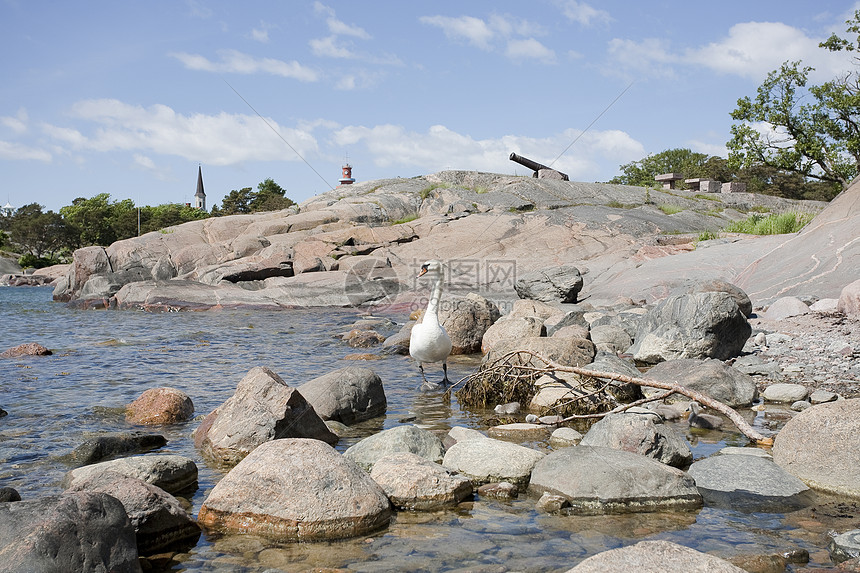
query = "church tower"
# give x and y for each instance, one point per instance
(200, 196)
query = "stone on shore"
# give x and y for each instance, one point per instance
(347, 395)
(845, 546)
(158, 406)
(655, 557)
(598, 480)
(170, 472)
(520, 432)
(712, 377)
(785, 392)
(716, 285)
(849, 300)
(564, 438)
(821, 446)
(399, 439)
(466, 319)
(28, 349)
(413, 482)
(553, 284)
(296, 489)
(610, 338)
(263, 408)
(700, 325)
(102, 448)
(76, 531)
(512, 328)
(785, 307)
(159, 521)
(565, 351)
(489, 460)
(641, 432)
(747, 482)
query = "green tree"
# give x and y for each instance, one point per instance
(269, 197)
(237, 201)
(90, 221)
(40, 234)
(168, 215)
(818, 138)
(680, 160)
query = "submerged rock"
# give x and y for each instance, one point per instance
(655, 557)
(102, 448)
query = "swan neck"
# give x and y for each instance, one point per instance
(435, 297)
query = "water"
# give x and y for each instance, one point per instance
(105, 359)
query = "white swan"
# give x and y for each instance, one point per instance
(428, 341)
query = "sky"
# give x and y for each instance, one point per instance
(130, 97)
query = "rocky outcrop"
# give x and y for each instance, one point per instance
(263, 408)
(849, 299)
(553, 284)
(76, 531)
(821, 446)
(296, 490)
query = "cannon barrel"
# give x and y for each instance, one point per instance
(534, 165)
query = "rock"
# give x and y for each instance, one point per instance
(800, 405)
(299, 490)
(520, 432)
(160, 406)
(512, 328)
(28, 349)
(398, 343)
(711, 377)
(749, 482)
(821, 396)
(170, 472)
(760, 339)
(604, 480)
(549, 503)
(570, 318)
(499, 490)
(785, 307)
(507, 409)
(784, 392)
(490, 460)
(641, 432)
(554, 284)
(747, 451)
(466, 319)
(716, 285)
(821, 446)
(263, 408)
(565, 351)
(9, 494)
(755, 366)
(825, 305)
(410, 439)
(363, 338)
(461, 434)
(628, 321)
(655, 557)
(564, 438)
(529, 307)
(610, 338)
(845, 546)
(78, 531)
(102, 448)
(849, 300)
(413, 482)
(572, 331)
(607, 362)
(158, 519)
(702, 325)
(347, 395)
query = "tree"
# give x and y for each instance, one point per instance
(89, 221)
(38, 233)
(237, 202)
(818, 138)
(684, 161)
(268, 197)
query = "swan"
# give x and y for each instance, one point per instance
(428, 341)
(705, 421)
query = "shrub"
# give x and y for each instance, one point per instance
(670, 209)
(788, 222)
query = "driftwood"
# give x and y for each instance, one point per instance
(526, 371)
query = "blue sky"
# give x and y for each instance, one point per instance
(128, 97)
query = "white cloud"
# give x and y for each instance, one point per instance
(17, 123)
(583, 13)
(328, 47)
(222, 139)
(18, 152)
(144, 162)
(650, 57)
(529, 49)
(233, 61)
(261, 34)
(473, 30)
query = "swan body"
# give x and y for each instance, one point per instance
(705, 421)
(428, 342)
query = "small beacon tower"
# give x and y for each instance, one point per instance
(347, 178)
(200, 196)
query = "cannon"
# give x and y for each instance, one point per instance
(535, 166)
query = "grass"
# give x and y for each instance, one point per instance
(670, 209)
(788, 222)
(619, 205)
(707, 197)
(429, 189)
(406, 219)
(708, 236)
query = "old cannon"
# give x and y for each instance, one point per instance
(535, 166)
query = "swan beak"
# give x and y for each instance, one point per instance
(423, 271)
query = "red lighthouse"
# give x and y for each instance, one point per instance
(347, 178)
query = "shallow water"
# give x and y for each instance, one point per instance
(105, 359)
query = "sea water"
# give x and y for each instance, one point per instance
(104, 359)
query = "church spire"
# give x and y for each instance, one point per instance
(200, 196)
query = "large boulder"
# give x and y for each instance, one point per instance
(738, 480)
(399, 439)
(512, 328)
(700, 325)
(716, 285)
(157, 517)
(565, 351)
(595, 480)
(488, 460)
(610, 338)
(655, 557)
(553, 284)
(641, 432)
(347, 395)
(170, 472)
(413, 482)
(77, 531)
(466, 319)
(712, 377)
(158, 406)
(821, 446)
(849, 300)
(786, 307)
(263, 408)
(296, 490)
